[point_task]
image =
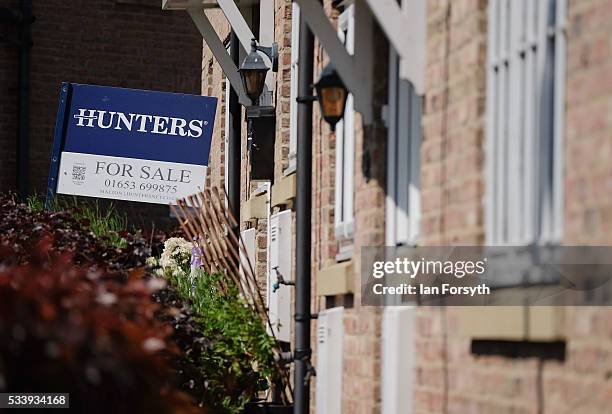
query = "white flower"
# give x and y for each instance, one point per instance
(176, 257)
(106, 298)
(153, 344)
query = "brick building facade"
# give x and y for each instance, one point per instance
(449, 360)
(124, 43)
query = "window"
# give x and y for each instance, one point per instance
(526, 64)
(345, 144)
(403, 159)
(293, 106)
(226, 136)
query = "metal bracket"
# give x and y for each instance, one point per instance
(298, 317)
(284, 358)
(306, 99)
(271, 52)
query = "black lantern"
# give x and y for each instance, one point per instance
(332, 95)
(253, 70)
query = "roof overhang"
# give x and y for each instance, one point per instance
(405, 27)
(186, 4)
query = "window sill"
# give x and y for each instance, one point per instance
(336, 279)
(516, 323)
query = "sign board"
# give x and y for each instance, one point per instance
(129, 144)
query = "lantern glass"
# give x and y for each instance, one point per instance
(331, 94)
(333, 101)
(253, 82)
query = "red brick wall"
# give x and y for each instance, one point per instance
(361, 363)
(117, 43)
(449, 378)
(8, 103)
(588, 126)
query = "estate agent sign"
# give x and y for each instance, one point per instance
(129, 144)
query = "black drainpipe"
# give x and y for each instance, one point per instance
(23, 134)
(234, 144)
(303, 201)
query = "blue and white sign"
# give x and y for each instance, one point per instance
(130, 144)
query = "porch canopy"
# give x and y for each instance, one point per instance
(404, 23)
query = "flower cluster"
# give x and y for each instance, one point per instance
(178, 258)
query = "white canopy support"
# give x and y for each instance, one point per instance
(196, 9)
(237, 22)
(406, 28)
(355, 71)
(219, 51)
(186, 4)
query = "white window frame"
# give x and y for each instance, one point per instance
(344, 214)
(226, 137)
(525, 110)
(293, 94)
(403, 203)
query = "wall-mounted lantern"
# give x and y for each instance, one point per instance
(261, 120)
(331, 94)
(253, 69)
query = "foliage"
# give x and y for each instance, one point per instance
(234, 360)
(21, 227)
(175, 258)
(105, 223)
(35, 203)
(65, 328)
(76, 316)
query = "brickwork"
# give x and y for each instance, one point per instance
(8, 104)
(588, 213)
(361, 363)
(107, 42)
(449, 378)
(282, 34)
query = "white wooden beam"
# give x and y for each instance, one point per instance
(219, 51)
(237, 23)
(406, 29)
(363, 52)
(356, 81)
(343, 62)
(266, 38)
(186, 4)
(232, 13)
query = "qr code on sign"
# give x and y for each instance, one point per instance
(78, 172)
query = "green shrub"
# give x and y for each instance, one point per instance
(35, 203)
(105, 223)
(238, 363)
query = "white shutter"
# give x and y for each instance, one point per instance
(345, 143)
(398, 362)
(226, 137)
(526, 66)
(280, 254)
(403, 159)
(330, 330)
